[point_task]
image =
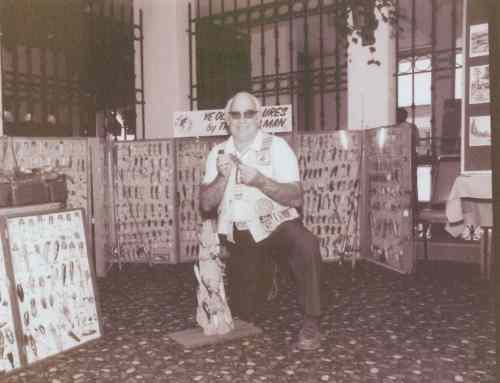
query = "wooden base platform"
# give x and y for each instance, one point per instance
(192, 338)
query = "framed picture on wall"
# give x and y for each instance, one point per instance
(480, 131)
(479, 45)
(479, 88)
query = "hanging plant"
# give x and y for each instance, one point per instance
(358, 20)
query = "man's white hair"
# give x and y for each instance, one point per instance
(258, 105)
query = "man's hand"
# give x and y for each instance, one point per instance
(248, 175)
(224, 164)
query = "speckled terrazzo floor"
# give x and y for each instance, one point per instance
(378, 326)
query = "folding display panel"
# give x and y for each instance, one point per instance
(144, 201)
(388, 198)
(68, 156)
(330, 169)
(143, 195)
(53, 282)
(191, 156)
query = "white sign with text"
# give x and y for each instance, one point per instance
(202, 123)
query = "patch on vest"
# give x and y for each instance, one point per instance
(263, 206)
(269, 223)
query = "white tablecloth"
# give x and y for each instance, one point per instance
(470, 203)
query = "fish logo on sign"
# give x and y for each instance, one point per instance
(184, 122)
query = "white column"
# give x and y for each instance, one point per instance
(372, 88)
(166, 64)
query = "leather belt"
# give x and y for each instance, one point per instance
(242, 225)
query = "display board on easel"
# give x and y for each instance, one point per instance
(9, 347)
(476, 134)
(54, 303)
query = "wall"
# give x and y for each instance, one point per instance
(166, 63)
(371, 88)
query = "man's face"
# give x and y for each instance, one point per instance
(243, 119)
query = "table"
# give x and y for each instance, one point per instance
(470, 203)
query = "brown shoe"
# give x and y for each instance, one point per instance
(309, 335)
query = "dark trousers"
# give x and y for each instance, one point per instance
(248, 264)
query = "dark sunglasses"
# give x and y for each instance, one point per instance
(246, 114)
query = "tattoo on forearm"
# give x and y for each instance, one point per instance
(287, 194)
(211, 194)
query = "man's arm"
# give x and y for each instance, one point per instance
(286, 194)
(211, 194)
(285, 189)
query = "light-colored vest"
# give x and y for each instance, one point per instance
(247, 207)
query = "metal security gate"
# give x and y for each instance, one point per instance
(284, 52)
(63, 61)
(429, 58)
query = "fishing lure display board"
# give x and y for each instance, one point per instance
(388, 198)
(9, 347)
(68, 156)
(330, 170)
(52, 281)
(191, 158)
(144, 201)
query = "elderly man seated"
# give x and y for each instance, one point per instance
(253, 180)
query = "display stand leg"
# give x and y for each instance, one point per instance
(115, 255)
(483, 253)
(486, 253)
(491, 254)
